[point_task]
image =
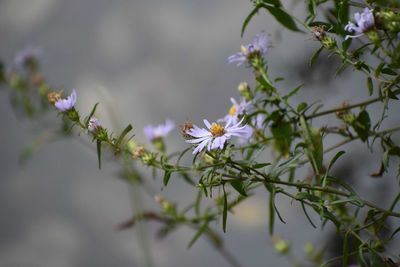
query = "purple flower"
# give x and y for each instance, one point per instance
(216, 135)
(237, 110)
(64, 105)
(27, 56)
(364, 22)
(93, 125)
(258, 121)
(259, 45)
(154, 132)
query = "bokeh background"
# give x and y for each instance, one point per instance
(146, 61)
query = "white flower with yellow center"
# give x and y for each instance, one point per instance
(237, 110)
(216, 135)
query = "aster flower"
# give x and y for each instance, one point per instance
(216, 135)
(237, 110)
(155, 132)
(64, 105)
(258, 121)
(93, 125)
(259, 46)
(364, 22)
(27, 56)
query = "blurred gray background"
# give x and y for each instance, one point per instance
(146, 61)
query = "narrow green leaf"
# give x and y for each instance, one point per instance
(201, 230)
(293, 92)
(315, 56)
(271, 211)
(123, 134)
(379, 69)
(370, 86)
(99, 152)
(307, 215)
(260, 165)
(225, 211)
(388, 71)
(248, 19)
(282, 17)
(238, 186)
(91, 114)
(167, 176)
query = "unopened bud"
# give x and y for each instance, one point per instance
(244, 90)
(328, 42)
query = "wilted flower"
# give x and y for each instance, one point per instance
(364, 22)
(237, 110)
(154, 132)
(185, 128)
(259, 46)
(215, 136)
(53, 97)
(93, 125)
(64, 105)
(27, 57)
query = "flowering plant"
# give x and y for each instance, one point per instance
(267, 120)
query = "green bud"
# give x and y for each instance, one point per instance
(328, 42)
(282, 246)
(73, 115)
(244, 90)
(159, 144)
(309, 249)
(373, 36)
(148, 158)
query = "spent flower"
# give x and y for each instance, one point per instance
(363, 22)
(259, 46)
(216, 135)
(64, 105)
(155, 132)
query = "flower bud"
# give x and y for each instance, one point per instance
(93, 125)
(373, 36)
(281, 246)
(245, 92)
(328, 42)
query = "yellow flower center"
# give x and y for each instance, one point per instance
(243, 49)
(217, 130)
(232, 110)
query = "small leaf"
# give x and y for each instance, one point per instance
(389, 71)
(302, 106)
(370, 86)
(315, 56)
(248, 19)
(201, 230)
(238, 186)
(225, 210)
(271, 211)
(260, 165)
(98, 143)
(91, 114)
(123, 134)
(282, 17)
(379, 69)
(362, 125)
(167, 176)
